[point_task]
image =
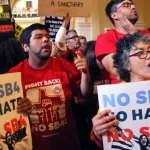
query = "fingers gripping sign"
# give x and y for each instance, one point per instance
(102, 122)
(80, 62)
(66, 20)
(24, 105)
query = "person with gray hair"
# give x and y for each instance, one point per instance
(72, 40)
(132, 59)
(67, 41)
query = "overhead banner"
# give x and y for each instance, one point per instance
(76, 8)
(130, 102)
(15, 131)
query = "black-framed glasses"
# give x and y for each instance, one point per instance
(126, 4)
(73, 37)
(142, 55)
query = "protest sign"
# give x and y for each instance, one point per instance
(76, 8)
(130, 102)
(14, 127)
(5, 16)
(18, 31)
(53, 24)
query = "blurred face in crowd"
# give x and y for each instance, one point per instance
(83, 42)
(73, 41)
(128, 9)
(40, 45)
(139, 61)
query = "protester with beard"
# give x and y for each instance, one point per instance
(123, 15)
(50, 83)
(68, 45)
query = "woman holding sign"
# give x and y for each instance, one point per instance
(132, 61)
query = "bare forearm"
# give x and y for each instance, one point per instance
(86, 89)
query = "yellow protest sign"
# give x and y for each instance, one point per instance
(18, 31)
(14, 127)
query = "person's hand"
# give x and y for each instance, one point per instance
(125, 23)
(12, 19)
(80, 62)
(54, 50)
(66, 21)
(24, 106)
(102, 123)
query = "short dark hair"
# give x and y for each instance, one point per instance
(82, 37)
(123, 49)
(111, 7)
(26, 34)
(68, 31)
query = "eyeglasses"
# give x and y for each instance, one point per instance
(127, 5)
(73, 37)
(142, 55)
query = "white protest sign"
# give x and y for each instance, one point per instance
(130, 102)
(15, 131)
(76, 8)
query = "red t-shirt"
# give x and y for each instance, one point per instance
(106, 44)
(50, 91)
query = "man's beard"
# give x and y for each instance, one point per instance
(41, 57)
(133, 20)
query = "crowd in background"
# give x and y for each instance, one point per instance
(80, 66)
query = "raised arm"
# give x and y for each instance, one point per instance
(60, 36)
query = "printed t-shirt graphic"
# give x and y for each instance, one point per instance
(53, 122)
(49, 109)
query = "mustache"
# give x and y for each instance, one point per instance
(46, 46)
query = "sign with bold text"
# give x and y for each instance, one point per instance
(130, 102)
(14, 127)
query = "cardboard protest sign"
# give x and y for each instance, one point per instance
(130, 102)
(15, 131)
(76, 8)
(5, 16)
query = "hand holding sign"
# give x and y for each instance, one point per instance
(66, 21)
(102, 123)
(24, 105)
(14, 126)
